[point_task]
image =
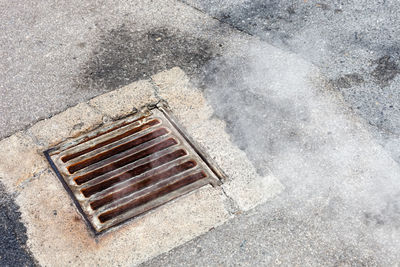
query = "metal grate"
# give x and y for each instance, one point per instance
(131, 166)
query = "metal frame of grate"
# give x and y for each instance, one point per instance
(126, 168)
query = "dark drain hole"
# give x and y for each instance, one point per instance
(120, 163)
(151, 196)
(111, 140)
(116, 150)
(87, 192)
(142, 183)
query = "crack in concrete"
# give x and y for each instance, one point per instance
(32, 178)
(33, 137)
(105, 117)
(231, 206)
(156, 90)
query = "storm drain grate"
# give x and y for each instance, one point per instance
(131, 166)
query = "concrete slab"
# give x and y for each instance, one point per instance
(67, 124)
(21, 161)
(54, 226)
(121, 102)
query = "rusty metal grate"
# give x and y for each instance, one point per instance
(131, 166)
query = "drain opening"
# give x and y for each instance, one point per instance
(111, 140)
(131, 166)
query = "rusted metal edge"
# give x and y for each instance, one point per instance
(68, 189)
(211, 164)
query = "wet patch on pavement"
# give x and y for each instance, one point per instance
(247, 99)
(13, 250)
(125, 54)
(347, 81)
(386, 70)
(359, 56)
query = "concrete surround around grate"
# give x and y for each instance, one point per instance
(54, 226)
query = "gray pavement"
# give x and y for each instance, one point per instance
(57, 54)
